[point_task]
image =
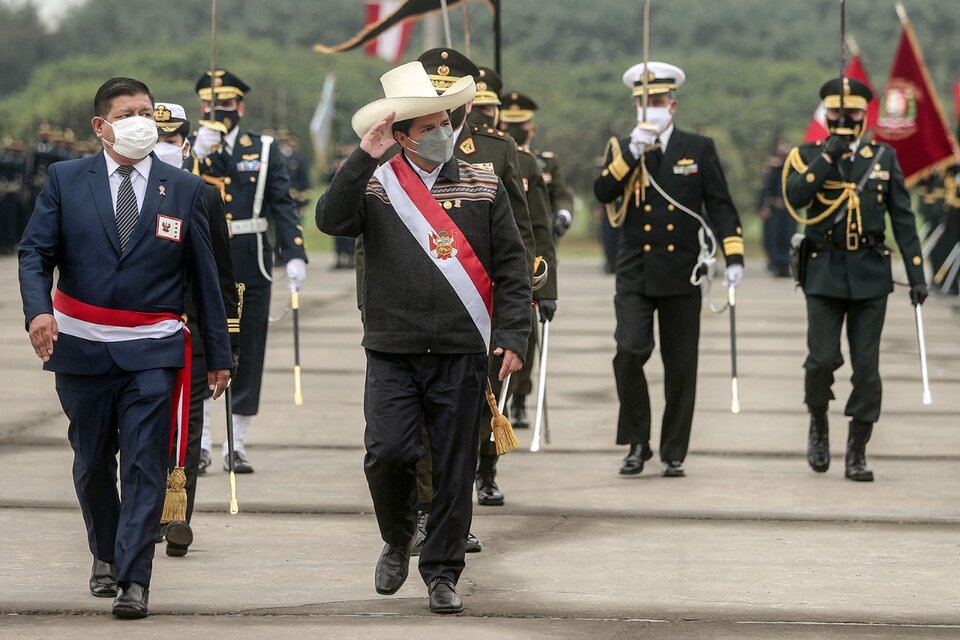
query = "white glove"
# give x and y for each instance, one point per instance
(640, 139)
(296, 273)
(205, 142)
(733, 275)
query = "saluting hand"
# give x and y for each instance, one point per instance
(43, 333)
(379, 138)
(511, 362)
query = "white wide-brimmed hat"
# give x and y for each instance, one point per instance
(409, 92)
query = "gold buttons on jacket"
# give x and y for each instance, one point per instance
(298, 241)
(647, 207)
(228, 198)
(229, 216)
(811, 177)
(670, 207)
(670, 247)
(670, 227)
(226, 180)
(647, 248)
(448, 205)
(916, 261)
(647, 227)
(253, 178)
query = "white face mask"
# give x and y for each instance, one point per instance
(658, 116)
(170, 153)
(134, 137)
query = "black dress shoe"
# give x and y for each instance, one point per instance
(160, 534)
(856, 460)
(205, 461)
(633, 462)
(473, 544)
(179, 538)
(393, 567)
(443, 597)
(422, 517)
(673, 469)
(132, 600)
(240, 463)
(103, 581)
(518, 412)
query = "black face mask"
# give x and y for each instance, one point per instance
(518, 133)
(229, 118)
(457, 116)
(481, 120)
(845, 126)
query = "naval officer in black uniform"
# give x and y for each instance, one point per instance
(235, 162)
(658, 257)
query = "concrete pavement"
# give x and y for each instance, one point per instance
(750, 545)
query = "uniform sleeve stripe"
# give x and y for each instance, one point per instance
(619, 168)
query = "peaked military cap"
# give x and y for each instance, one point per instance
(445, 66)
(226, 86)
(661, 77)
(516, 107)
(856, 94)
(171, 118)
(489, 86)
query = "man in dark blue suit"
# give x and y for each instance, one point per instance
(123, 229)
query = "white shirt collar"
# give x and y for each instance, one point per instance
(429, 177)
(142, 167)
(665, 137)
(230, 140)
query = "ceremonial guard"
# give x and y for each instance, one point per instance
(173, 148)
(252, 175)
(778, 225)
(13, 169)
(440, 246)
(657, 182)
(847, 186)
(122, 229)
(516, 120)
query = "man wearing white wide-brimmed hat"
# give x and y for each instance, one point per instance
(441, 248)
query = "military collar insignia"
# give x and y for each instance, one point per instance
(245, 141)
(866, 151)
(468, 147)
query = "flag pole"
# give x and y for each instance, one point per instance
(466, 28)
(496, 39)
(446, 23)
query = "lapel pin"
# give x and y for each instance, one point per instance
(162, 190)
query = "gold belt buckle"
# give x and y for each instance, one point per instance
(853, 241)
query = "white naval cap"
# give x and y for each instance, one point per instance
(661, 77)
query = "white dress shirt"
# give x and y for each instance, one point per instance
(665, 137)
(429, 177)
(230, 141)
(138, 179)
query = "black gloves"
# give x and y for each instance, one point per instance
(835, 147)
(918, 293)
(547, 309)
(561, 223)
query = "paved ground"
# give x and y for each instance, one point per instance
(750, 545)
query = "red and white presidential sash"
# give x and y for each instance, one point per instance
(100, 324)
(441, 239)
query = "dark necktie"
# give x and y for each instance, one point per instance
(127, 210)
(653, 158)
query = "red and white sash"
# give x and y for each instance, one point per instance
(426, 220)
(100, 324)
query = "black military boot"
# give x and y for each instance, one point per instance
(488, 493)
(518, 412)
(857, 469)
(818, 441)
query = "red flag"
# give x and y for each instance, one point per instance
(817, 129)
(911, 118)
(956, 102)
(390, 44)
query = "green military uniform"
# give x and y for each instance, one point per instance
(516, 118)
(848, 267)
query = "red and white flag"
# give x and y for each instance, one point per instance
(817, 129)
(391, 44)
(911, 118)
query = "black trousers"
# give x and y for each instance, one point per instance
(679, 318)
(198, 393)
(441, 393)
(126, 412)
(253, 344)
(864, 325)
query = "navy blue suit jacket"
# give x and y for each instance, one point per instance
(74, 229)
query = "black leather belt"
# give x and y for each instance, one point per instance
(836, 243)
